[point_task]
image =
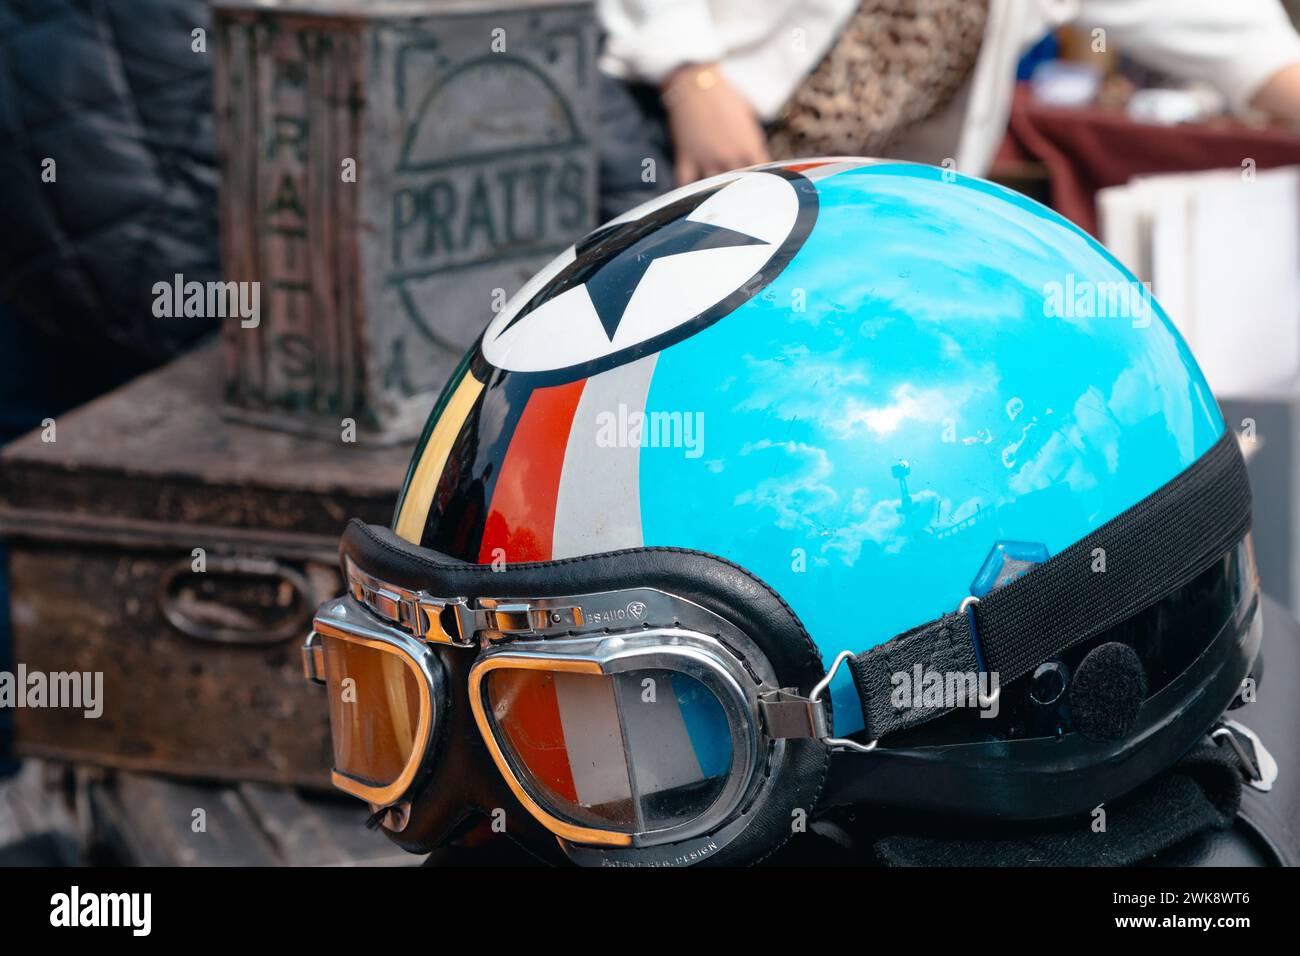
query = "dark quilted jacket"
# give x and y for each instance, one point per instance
(111, 90)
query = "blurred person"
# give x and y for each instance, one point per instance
(703, 86)
(111, 174)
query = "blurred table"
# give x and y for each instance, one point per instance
(1086, 149)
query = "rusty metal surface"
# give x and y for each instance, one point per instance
(171, 702)
(474, 166)
(201, 671)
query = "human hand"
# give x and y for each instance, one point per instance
(712, 125)
(1280, 95)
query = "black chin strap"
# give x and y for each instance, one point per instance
(1201, 792)
(1158, 545)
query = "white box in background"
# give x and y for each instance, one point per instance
(1222, 253)
(1221, 250)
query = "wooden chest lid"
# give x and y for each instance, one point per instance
(158, 453)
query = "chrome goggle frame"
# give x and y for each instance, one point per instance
(673, 649)
(346, 620)
(604, 633)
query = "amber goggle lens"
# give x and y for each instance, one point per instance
(630, 752)
(376, 696)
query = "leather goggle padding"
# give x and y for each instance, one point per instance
(724, 588)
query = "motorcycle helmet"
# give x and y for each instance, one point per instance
(786, 419)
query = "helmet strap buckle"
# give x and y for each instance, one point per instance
(1258, 766)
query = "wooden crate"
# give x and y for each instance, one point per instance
(471, 127)
(202, 673)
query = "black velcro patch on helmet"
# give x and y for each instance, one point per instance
(1107, 692)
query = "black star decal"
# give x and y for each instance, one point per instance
(612, 261)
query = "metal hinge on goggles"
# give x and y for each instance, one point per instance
(610, 730)
(453, 621)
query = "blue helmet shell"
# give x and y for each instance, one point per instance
(945, 382)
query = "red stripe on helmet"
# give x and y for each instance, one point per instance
(800, 167)
(521, 521)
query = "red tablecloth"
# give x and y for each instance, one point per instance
(1087, 149)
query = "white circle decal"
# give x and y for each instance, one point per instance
(654, 275)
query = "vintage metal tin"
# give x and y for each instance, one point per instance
(469, 126)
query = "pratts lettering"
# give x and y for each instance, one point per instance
(455, 214)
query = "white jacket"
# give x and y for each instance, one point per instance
(766, 47)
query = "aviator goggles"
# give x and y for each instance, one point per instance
(610, 728)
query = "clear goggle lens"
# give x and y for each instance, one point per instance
(630, 752)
